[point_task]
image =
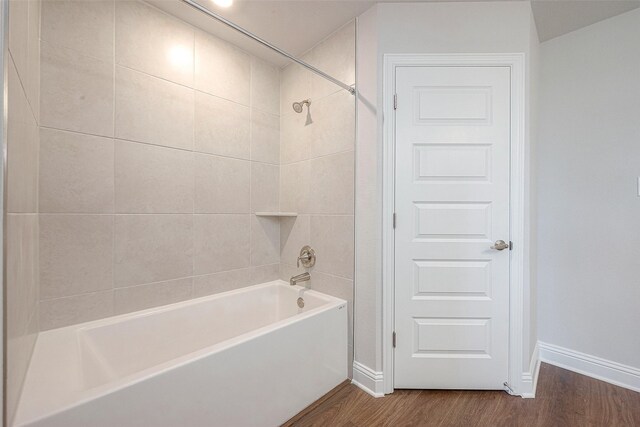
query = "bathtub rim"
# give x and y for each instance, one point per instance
(87, 395)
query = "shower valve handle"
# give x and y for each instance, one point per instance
(307, 257)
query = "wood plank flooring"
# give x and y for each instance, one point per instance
(563, 398)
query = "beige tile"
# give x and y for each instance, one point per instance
(19, 33)
(265, 181)
(265, 240)
(153, 179)
(152, 248)
(151, 41)
(265, 137)
(221, 127)
(21, 273)
(294, 234)
(76, 91)
(149, 109)
(22, 167)
(221, 282)
(32, 81)
(334, 181)
(333, 240)
(76, 254)
(265, 273)
(333, 128)
(336, 57)
(296, 136)
(19, 110)
(141, 297)
(60, 312)
(326, 127)
(265, 86)
(287, 271)
(222, 69)
(76, 172)
(18, 355)
(22, 150)
(337, 287)
(222, 184)
(331, 285)
(294, 86)
(85, 26)
(221, 242)
(295, 184)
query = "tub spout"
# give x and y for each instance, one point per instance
(304, 277)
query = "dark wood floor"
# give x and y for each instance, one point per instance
(563, 398)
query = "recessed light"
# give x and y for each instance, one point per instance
(223, 3)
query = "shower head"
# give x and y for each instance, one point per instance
(297, 106)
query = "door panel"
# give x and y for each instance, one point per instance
(452, 204)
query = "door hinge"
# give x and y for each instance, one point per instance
(393, 339)
(510, 245)
(394, 220)
(395, 101)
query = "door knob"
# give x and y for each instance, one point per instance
(500, 245)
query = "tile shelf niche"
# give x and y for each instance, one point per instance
(277, 214)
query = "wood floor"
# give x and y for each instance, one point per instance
(563, 398)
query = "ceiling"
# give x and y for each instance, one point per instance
(296, 26)
(555, 18)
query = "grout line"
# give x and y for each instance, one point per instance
(195, 193)
(194, 89)
(22, 84)
(300, 214)
(157, 145)
(251, 207)
(322, 41)
(321, 272)
(113, 228)
(322, 98)
(350, 150)
(194, 276)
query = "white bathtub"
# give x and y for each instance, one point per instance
(248, 357)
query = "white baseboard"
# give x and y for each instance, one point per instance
(529, 380)
(368, 379)
(591, 366)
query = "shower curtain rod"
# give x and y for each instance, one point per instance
(265, 43)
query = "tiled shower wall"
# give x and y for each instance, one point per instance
(157, 143)
(317, 168)
(22, 195)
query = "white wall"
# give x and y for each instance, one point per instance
(589, 209)
(368, 265)
(533, 89)
(487, 27)
(460, 27)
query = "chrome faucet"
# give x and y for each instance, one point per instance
(304, 277)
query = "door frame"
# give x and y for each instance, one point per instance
(518, 176)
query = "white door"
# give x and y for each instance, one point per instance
(452, 205)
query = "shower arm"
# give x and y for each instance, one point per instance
(265, 43)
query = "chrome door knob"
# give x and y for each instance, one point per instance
(500, 245)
